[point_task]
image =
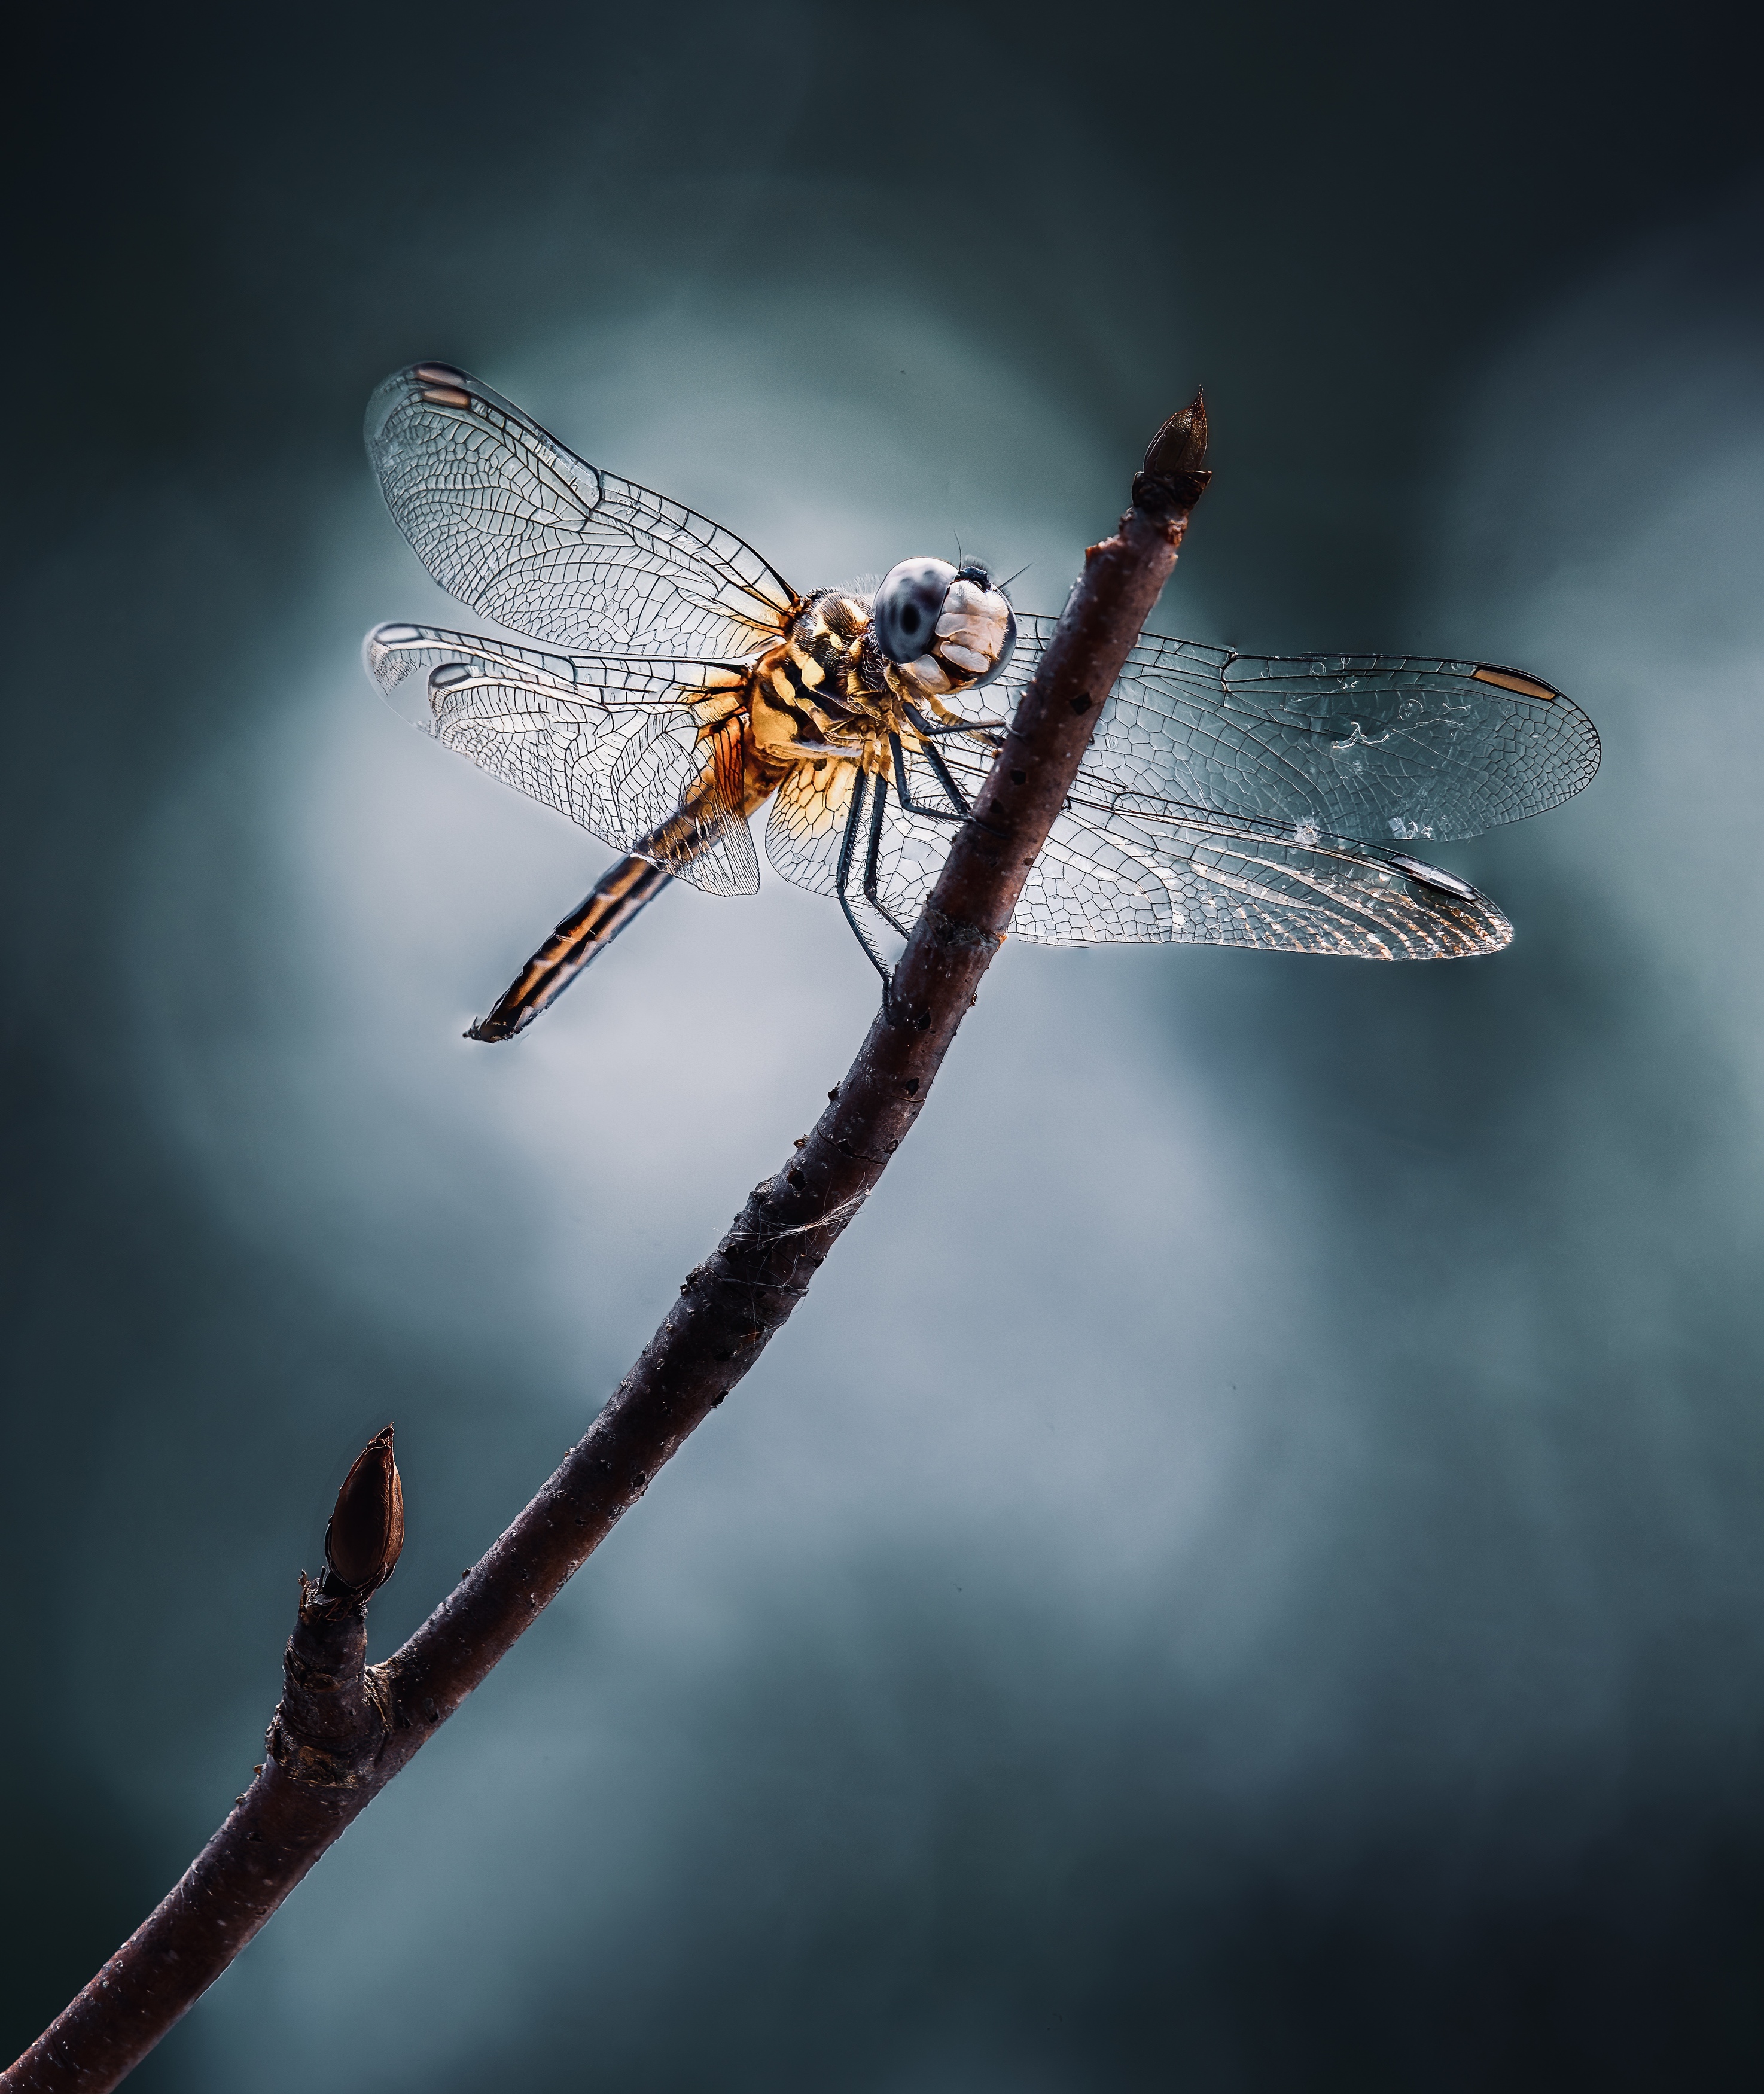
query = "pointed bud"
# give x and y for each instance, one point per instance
(1175, 475)
(363, 1542)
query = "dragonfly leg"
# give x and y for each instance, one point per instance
(957, 727)
(880, 788)
(912, 805)
(848, 847)
(958, 798)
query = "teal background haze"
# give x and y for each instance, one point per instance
(1258, 1586)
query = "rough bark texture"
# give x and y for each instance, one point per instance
(340, 1734)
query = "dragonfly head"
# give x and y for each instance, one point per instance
(946, 628)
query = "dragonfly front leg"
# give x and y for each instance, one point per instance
(958, 798)
(847, 850)
(987, 731)
(904, 792)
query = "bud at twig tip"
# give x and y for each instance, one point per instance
(363, 1542)
(1175, 474)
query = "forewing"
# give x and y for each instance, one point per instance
(615, 745)
(515, 526)
(1384, 747)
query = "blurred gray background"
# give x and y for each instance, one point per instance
(1263, 1590)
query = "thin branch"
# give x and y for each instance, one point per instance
(341, 1732)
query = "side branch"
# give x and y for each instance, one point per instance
(342, 1731)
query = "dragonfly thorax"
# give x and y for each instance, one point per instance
(830, 685)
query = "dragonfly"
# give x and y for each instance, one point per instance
(666, 682)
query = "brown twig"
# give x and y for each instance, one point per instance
(341, 1732)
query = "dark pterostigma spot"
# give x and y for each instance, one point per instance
(1431, 876)
(1511, 680)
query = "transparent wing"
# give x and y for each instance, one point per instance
(807, 824)
(1219, 880)
(806, 829)
(645, 755)
(1138, 868)
(1131, 866)
(1377, 746)
(516, 527)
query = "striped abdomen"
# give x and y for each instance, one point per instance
(584, 934)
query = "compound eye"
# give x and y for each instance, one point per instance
(904, 616)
